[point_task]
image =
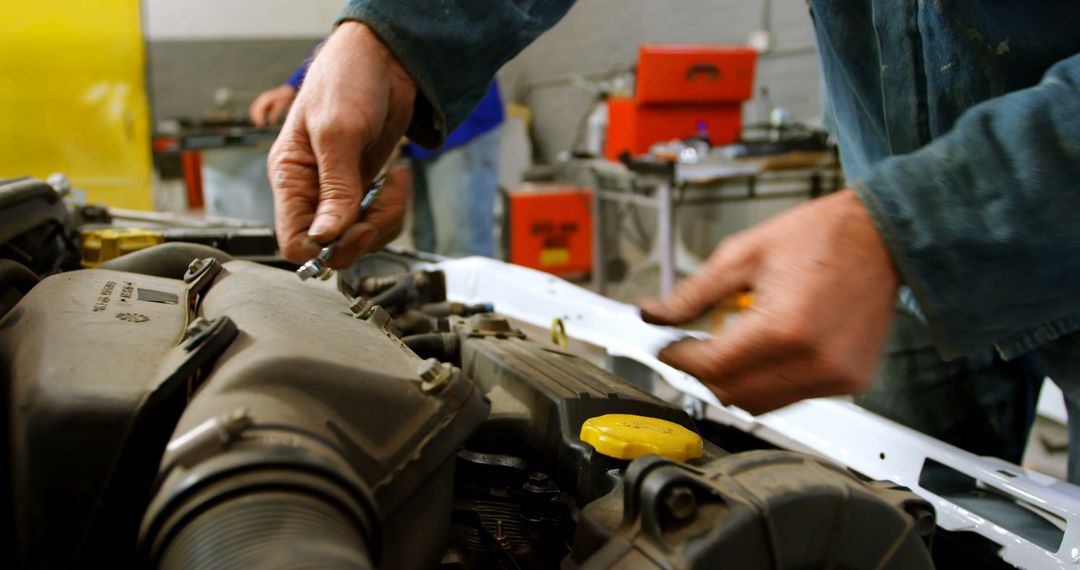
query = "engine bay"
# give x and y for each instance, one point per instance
(224, 414)
(186, 407)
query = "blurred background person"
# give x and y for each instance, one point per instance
(270, 106)
(455, 186)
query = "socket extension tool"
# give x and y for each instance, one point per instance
(316, 266)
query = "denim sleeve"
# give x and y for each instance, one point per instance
(452, 49)
(984, 222)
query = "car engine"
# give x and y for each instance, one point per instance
(178, 407)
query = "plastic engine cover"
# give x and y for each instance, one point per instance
(104, 368)
(325, 393)
(81, 353)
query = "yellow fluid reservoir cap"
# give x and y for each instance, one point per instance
(625, 436)
(102, 244)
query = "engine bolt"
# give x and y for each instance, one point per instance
(429, 369)
(680, 502)
(434, 375)
(923, 519)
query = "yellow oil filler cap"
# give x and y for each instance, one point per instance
(625, 436)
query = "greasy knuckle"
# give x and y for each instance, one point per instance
(279, 165)
(729, 251)
(288, 149)
(279, 149)
(337, 191)
(334, 131)
(680, 354)
(736, 249)
(287, 179)
(295, 201)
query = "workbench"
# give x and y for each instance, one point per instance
(223, 166)
(662, 187)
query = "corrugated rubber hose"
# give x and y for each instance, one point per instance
(271, 530)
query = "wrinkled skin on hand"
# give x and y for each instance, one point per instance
(270, 105)
(823, 285)
(354, 106)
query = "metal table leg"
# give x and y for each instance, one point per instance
(666, 236)
(599, 264)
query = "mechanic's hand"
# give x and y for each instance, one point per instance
(823, 286)
(356, 103)
(270, 105)
(383, 222)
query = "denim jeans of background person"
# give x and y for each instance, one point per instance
(959, 123)
(454, 187)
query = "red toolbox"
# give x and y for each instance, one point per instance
(682, 91)
(634, 127)
(550, 228)
(694, 74)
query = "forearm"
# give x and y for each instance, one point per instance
(981, 222)
(452, 49)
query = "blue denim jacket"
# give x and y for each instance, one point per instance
(487, 116)
(959, 124)
(452, 49)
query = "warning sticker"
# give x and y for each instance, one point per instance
(554, 256)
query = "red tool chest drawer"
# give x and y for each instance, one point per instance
(550, 227)
(634, 127)
(670, 73)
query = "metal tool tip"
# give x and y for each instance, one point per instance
(307, 271)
